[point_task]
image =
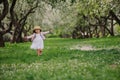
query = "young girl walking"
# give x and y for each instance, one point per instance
(37, 39)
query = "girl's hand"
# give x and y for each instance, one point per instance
(50, 31)
(25, 38)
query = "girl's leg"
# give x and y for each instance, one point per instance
(39, 52)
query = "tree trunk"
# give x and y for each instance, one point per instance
(16, 32)
(19, 36)
(74, 34)
(96, 32)
(112, 29)
(2, 16)
(103, 30)
(2, 43)
(90, 34)
(19, 25)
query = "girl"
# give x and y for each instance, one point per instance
(37, 39)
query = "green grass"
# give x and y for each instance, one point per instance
(60, 62)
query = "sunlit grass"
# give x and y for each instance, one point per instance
(59, 62)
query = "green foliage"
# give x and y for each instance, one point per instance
(62, 60)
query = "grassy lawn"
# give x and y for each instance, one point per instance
(62, 59)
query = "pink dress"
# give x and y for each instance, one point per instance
(37, 42)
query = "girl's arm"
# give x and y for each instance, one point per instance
(31, 36)
(45, 32)
(50, 31)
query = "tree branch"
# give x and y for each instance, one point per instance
(12, 10)
(115, 17)
(25, 16)
(5, 10)
(12, 17)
